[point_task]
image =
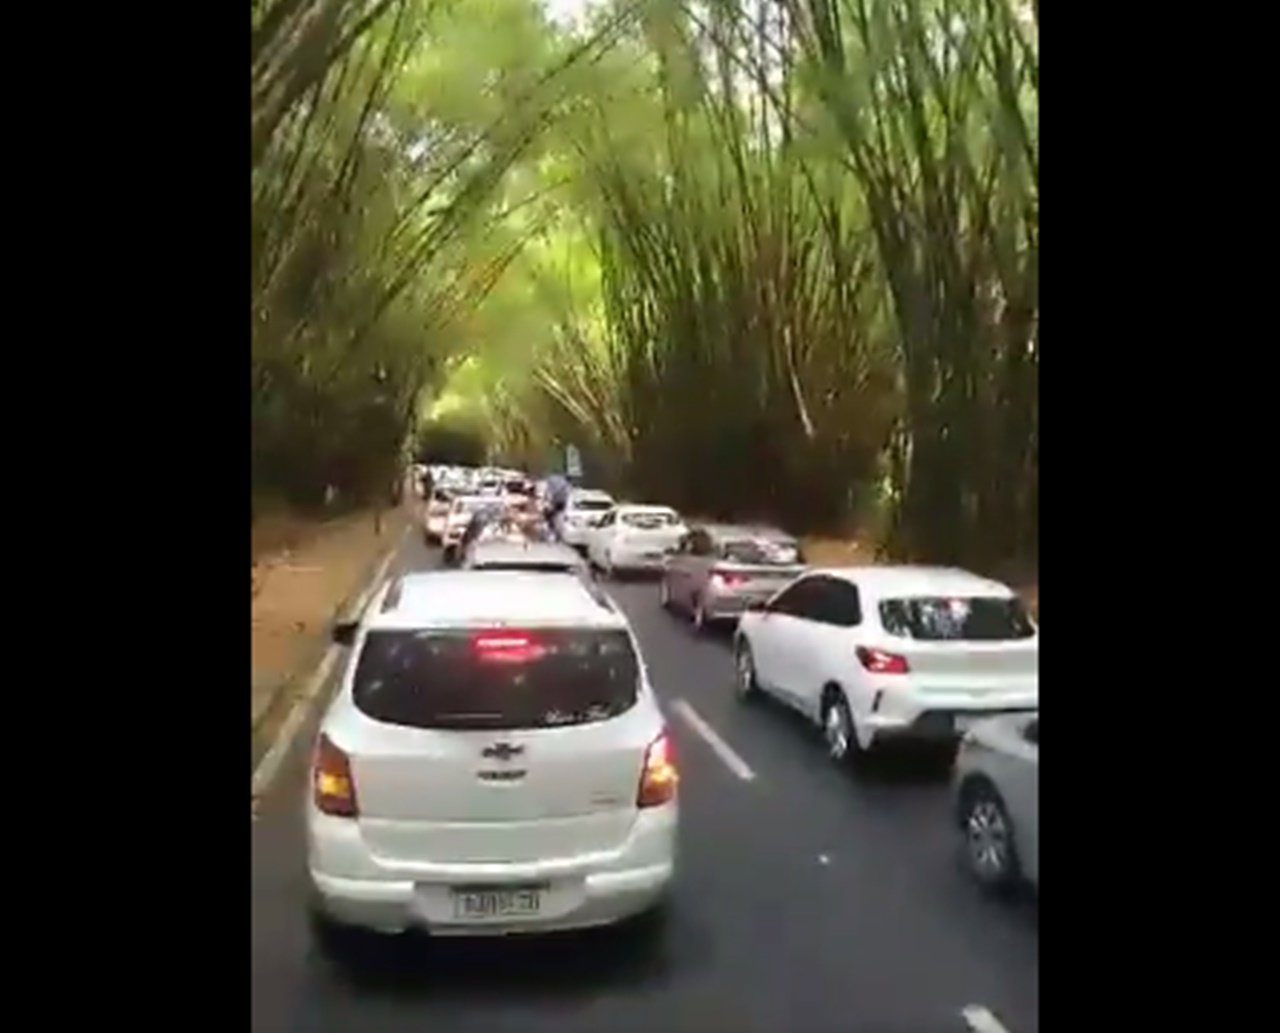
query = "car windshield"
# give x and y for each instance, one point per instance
(762, 552)
(592, 505)
(957, 619)
(649, 520)
(501, 679)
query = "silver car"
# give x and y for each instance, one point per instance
(997, 793)
(717, 571)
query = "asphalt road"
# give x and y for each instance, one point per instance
(809, 900)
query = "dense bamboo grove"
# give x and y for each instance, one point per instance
(770, 258)
(382, 150)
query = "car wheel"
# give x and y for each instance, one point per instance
(989, 850)
(745, 683)
(336, 943)
(648, 929)
(838, 729)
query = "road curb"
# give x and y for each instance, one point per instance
(268, 767)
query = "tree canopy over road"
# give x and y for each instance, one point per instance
(772, 258)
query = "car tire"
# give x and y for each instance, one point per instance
(336, 943)
(648, 929)
(990, 854)
(745, 683)
(838, 729)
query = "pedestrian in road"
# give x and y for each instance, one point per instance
(558, 489)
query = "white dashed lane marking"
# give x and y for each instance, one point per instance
(722, 749)
(980, 1020)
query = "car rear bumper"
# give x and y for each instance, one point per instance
(646, 560)
(938, 721)
(353, 887)
(603, 898)
(731, 607)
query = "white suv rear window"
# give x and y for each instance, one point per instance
(499, 679)
(972, 619)
(649, 521)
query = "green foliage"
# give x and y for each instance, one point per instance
(383, 147)
(777, 259)
(451, 441)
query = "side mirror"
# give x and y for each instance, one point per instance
(344, 632)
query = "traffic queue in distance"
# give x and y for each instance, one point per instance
(878, 657)
(495, 760)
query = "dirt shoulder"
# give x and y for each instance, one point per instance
(301, 573)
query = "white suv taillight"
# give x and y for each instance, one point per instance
(333, 788)
(659, 778)
(878, 661)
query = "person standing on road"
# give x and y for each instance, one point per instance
(558, 489)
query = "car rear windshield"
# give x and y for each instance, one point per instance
(762, 552)
(533, 566)
(950, 619)
(649, 521)
(592, 505)
(502, 679)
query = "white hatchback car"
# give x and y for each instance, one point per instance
(495, 761)
(585, 507)
(634, 538)
(874, 654)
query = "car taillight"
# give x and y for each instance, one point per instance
(877, 661)
(659, 778)
(333, 788)
(723, 579)
(511, 647)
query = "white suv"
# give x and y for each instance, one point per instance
(875, 654)
(494, 762)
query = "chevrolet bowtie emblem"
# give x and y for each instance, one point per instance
(502, 751)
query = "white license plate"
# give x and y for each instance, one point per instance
(490, 904)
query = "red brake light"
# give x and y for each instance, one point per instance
(723, 579)
(333, 788)
(659, 778)
(877, 661)
(511, 647)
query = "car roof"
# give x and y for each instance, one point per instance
(907, 581)
(589, 493)
(506, 551)
(747, 531)
(470, 598)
